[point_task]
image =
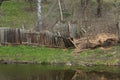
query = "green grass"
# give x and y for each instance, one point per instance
(101, 56)
(36, 54)
(14, 14)
(52, 55)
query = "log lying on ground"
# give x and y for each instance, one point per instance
(100, 40)
(103, 40)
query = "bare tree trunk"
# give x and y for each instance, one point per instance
(84, 2)
(118, 28)
(86, 21)
(44, 1)
(39, 24)
(31, 6)
(85, 8)
(117, 17)
(1, 2)
(99, 8)
(60, 8)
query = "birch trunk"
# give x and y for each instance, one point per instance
(39, 24)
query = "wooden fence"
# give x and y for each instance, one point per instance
(9, 36)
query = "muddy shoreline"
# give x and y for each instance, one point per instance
(55, 63)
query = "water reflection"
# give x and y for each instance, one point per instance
(49, 75)
(37, 72)
(94, 75)
(24, 72)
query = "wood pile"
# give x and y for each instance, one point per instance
(100, 40)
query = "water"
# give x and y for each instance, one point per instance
(39, 72)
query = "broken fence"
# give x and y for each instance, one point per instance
(9, 36)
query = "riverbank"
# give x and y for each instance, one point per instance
(42, 55)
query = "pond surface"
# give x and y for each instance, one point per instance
(39, 72)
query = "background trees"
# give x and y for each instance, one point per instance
(1, 2)
(92, 16)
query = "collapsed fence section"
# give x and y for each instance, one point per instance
(9, 36)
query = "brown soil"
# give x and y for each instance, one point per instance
(100, 40)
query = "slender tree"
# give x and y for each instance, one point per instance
(99, 8)
(1, 2)
(39, 24)
(44, 1)
(60, 8)
(117, 16)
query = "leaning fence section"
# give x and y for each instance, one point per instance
(9, 36)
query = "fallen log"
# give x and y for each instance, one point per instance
(101, 40)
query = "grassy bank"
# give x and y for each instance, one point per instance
(34, 54)
(109, 56)
(17, 14)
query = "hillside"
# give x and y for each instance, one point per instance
(83, 20)
(17, 14)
